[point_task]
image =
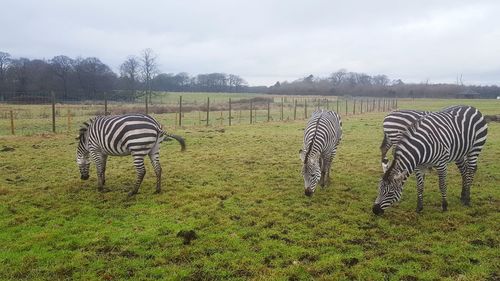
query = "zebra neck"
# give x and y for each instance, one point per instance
(311, 144)
(400, 169)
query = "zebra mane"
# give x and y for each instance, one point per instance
(306, 157)
(389, 170)
(84, 128)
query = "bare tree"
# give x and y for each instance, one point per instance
(129, 70)
(4, 65)
(381, 80)
(149, 69)
(235, 82)
(63, 67)
(94, 76)
(338, 77)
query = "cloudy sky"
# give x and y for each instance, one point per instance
(266, 41)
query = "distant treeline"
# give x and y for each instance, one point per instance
(343, 83)
(88, 78)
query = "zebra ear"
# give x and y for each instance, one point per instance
(301, 155)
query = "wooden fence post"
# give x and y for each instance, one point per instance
(146, 101)
(268, 111)
(337, 105)
(346, 107)
(230, 112)
(53, 112)
(12, 122)
(294, 109)
(105, 104)
(208, 109)
(251, 104)
(282, 103)
(361, 107)
(180, 111)
(354, 108)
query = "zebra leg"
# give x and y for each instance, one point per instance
(420, 189)
(462, 166)
(441, 170)
(98, 158)
(104, 161)
(328, 167)
(323, 171)
(155, 161)
(469, 177)
(141, 171)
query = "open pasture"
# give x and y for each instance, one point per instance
(233, 207)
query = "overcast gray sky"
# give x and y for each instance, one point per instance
(267, 41)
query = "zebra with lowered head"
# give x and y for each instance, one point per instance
(321, 138)
(456, 134)
(132, 134)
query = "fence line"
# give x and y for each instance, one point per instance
(30, 119)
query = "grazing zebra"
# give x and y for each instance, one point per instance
(395, 124)
(135, 134)
(321, 138)
(456, 134)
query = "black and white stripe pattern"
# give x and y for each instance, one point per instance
(135, 134)
(321, 138)
(456, 134)
(394, 125)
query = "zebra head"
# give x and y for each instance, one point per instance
(310, 171)
(390, 190)
(82, 153)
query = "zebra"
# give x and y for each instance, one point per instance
(131, 134)
(456, 134)
(394, 125)
(321, 138)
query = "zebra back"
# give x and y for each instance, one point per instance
(323, 132)
(442, 137)
(397, 122)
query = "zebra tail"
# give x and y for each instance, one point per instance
(177, 138)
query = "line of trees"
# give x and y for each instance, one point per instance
(88, 78)
(344, 83)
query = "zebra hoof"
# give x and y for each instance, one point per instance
(158, 191)
(465, 202)
(445, 207)
(419, 209)
(132, 193)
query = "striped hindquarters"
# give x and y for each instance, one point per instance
(446, 136)
(397, 122)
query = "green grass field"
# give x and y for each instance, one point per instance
(240, 190)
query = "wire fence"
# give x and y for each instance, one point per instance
(179, 110)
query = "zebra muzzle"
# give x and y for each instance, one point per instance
(86, 177)
(377, 210)
(308, 192)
